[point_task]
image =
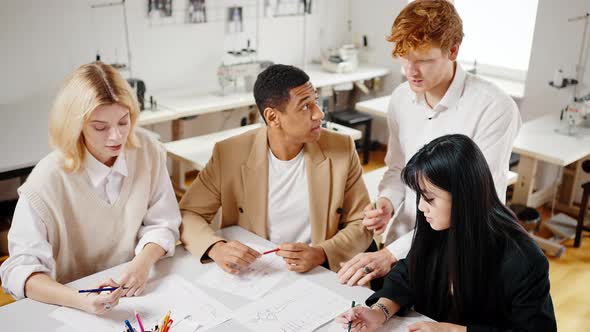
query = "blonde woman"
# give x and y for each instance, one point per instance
(101, 198)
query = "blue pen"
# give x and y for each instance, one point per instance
(129, 326)
(98, 290)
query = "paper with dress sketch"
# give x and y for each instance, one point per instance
(299, 307)
(260, 277)
(191, 309)
(395, 324)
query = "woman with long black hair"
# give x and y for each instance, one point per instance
(471, 267)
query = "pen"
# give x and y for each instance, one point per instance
(350, 322)
(139, 322)
(98, 290)
(271, 251)
(129, 325)
(375, 205)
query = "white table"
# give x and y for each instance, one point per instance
(28, 315)
(192, 102)
(161, 114)
(375, 106)
(539, 141)
(197, 151)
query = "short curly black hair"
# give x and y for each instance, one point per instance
(273, 85)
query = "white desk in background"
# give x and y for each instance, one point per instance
(28, 315)
(197, 150)
(149, 117)
(192, 103)
(539, 141)
(375, 106)
(379, 106)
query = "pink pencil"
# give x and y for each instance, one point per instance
(271, 251)
(139, 322)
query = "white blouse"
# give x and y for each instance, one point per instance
(31, 252)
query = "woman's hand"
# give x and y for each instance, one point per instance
(135, 276)
(362, 319)
(100, 303)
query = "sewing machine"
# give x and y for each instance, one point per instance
(231, 75)
(578, 111)
(341, 60)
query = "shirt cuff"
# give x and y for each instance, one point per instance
(400, 247)
(392, 196)
(162, 237)
(13, 281)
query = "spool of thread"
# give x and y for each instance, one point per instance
(558, 78)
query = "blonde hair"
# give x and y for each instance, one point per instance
(425, 23)
(88, 87)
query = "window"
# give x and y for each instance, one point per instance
(498, 33)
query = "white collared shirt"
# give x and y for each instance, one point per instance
(288, 200)
(472, 107)
(31, 252)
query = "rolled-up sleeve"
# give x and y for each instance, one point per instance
(29, 250)
(162, 221)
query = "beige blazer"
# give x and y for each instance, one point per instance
(236, 178)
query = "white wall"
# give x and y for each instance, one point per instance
(42, 41)
(374, 18)
(556, 44)
(497, 33)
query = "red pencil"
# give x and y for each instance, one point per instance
(271, 251)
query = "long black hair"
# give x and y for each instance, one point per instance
(455, 270)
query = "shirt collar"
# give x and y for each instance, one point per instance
(455, 90)
(98, 171)
(453, 94)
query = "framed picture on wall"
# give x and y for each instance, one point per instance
(162, 8)
(196, 11)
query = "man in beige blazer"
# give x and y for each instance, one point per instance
(318, 210)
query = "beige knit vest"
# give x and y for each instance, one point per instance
(86, 233)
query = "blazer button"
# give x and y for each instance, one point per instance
(339, 210)
(241, 210)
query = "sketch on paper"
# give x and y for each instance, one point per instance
(290, 309)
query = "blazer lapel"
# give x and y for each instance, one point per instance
(255, 184)
(319, 184)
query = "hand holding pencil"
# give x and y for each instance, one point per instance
(95, 302)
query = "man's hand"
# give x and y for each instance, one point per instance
(365, 267)
(301, 257)
(232, 256)
(376, 219)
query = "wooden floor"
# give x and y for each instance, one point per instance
(569, 275)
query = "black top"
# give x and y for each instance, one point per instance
(524, 282)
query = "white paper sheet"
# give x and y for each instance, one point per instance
(395, 324)
(260, 277)
(190, 308)
(299, 307)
